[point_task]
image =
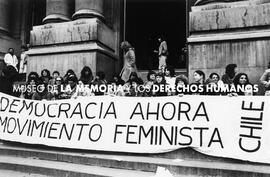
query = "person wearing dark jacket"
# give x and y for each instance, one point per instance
(181, 82)
(134, 75)
(229, 75)
(117, 80)
(99, 81)
(86, 75)
(7, 77)
(45, 76)
(42, 93)
(68, 73)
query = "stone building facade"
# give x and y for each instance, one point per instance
(15, 25)
(63, 34)
(231, 32)
(68, 34)
(76, 33)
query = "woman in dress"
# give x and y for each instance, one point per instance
(129, 61)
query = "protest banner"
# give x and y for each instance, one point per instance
(234, 127)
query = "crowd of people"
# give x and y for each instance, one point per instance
(162, 83)
(134, 86)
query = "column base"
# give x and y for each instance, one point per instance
(81, 30)
(72, 56)
(87, 13)
(55, 18)
(73, 45)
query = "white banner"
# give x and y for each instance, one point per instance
(234, 127)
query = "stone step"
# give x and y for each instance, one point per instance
(197, 167)
(64, 169)
(10, 173)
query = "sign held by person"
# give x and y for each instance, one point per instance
(234, 127)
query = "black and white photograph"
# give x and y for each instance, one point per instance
(134, 88)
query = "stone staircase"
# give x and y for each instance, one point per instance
(40, 161)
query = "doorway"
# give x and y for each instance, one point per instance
(146, 20)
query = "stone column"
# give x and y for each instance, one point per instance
(5, 14)
(88, 9)
(57, 11)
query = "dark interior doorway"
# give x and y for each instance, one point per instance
(146, 20)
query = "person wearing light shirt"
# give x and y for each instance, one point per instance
(10, 59)
(162, 52)
(23, 61)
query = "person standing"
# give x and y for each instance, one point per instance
(23, 61)
(10, 59)
(9, 73)
(129, 61)
(162, 53)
